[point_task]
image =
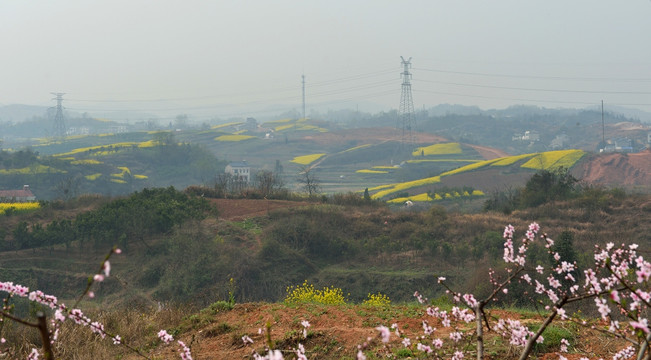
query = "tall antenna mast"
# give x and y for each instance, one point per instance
(59, 123)
(303, 77)
(406, 111)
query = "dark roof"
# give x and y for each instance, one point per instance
(239, 164)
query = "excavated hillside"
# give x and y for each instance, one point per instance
(617, 169)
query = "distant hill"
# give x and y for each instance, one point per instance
(19, 113)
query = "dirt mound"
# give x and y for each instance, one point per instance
(240, 209)
(618, 169)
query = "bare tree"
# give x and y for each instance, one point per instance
(268, 182)
(307, 178)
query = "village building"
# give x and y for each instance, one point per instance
(240, 170)
(24, 195)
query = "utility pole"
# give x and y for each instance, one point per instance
(603, 126)
(406, 111)
(303, 77)
(59, 123)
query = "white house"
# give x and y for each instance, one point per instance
(239, 169)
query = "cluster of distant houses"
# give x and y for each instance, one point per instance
(23, 195)
(562, 141)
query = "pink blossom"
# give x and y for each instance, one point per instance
(438, 343)
(470, 300)
(640, 325)
(360, 355)
(185, 351)
(34, 355)
(385, 333)
(305, 324)
(424, 348)
(167, 338)
(564, 345)
(455, 336)
(406, 342)
(458, 355)
(247, 340)
(107, 268)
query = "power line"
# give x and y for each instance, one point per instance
(542, 90)
(537, 77)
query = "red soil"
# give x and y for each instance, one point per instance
(618, 169)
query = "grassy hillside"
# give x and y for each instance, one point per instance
(109, 165)
(361, 250)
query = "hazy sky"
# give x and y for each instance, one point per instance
(232, 58)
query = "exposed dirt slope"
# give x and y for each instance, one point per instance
(618, 169)
(336, 331)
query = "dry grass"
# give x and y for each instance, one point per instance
(138, 328)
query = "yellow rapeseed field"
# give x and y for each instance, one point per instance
(226, 125)
(37, 169)
(510, 160)
(406, 185)
(551, 160)
(306, 159)
(367, 171)
(470, 167)
(278, 121)
(438, 149)
(284, 127)
(124, 171)
(357, 148)
(86, 162)
(419, 161)
(234, 137)
(93, 176)
(19, 207)
(424, 197)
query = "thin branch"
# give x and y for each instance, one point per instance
(17, 319)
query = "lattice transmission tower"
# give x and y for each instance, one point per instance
(406, 117)
(59, 123)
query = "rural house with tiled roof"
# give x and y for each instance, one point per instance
(24, 195)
